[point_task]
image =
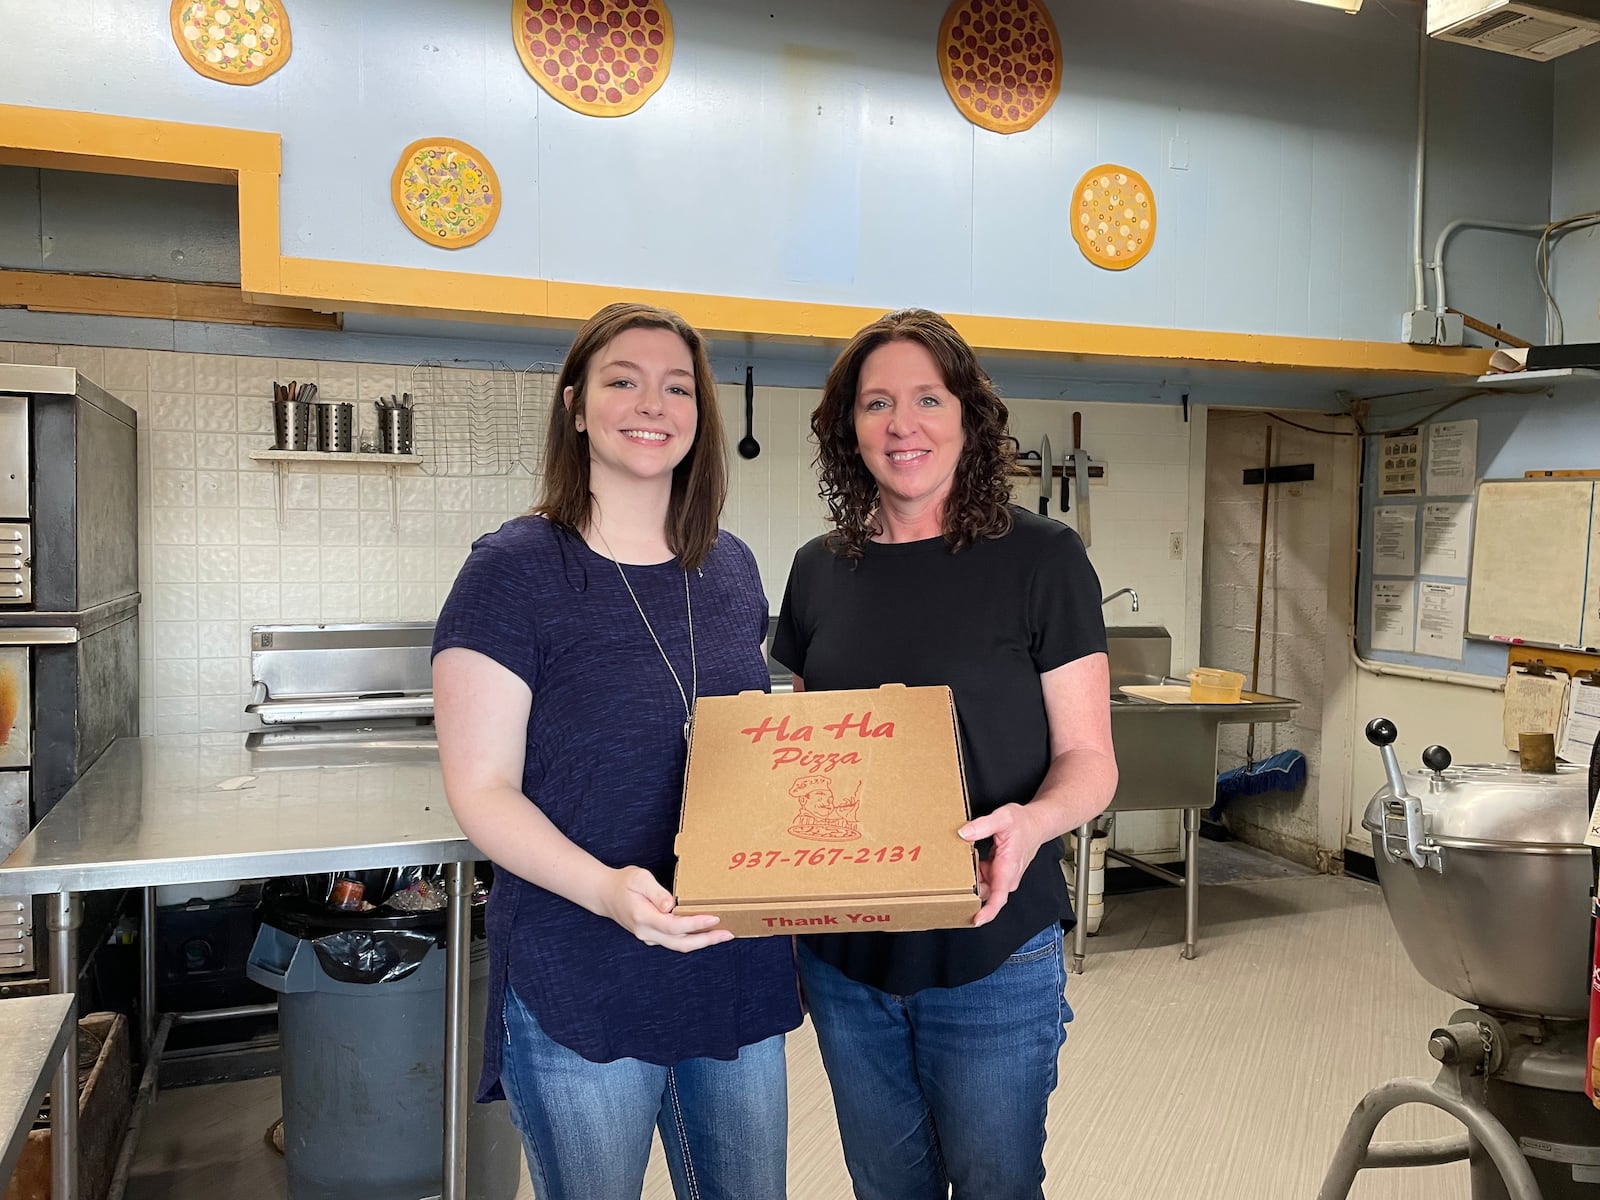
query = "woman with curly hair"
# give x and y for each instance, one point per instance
(941, 1046)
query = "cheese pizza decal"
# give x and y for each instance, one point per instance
(1113, 216)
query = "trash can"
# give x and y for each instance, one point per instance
(361, 1030)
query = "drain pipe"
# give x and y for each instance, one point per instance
(1417, 235)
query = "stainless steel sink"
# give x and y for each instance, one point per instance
(1166, 758)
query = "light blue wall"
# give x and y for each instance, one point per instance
(1576, 189)
(805, 149)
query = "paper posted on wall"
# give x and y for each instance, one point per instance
(1446, 544)
(1394, 615)
(1535, 703)
(1394, 539)
(1400, 463)
(1452, 458)
(1582, 723)
(1441, 618)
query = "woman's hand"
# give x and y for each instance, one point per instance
(633, 898)
(1017, 838)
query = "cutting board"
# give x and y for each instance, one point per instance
(1166, 693)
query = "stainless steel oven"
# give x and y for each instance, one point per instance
(69, 600)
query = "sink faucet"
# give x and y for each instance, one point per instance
(1121, 592)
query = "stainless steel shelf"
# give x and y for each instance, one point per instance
(1538, 381)
(33, 1030)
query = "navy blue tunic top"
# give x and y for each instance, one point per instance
(605, 762)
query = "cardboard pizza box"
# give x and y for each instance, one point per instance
(826, 812)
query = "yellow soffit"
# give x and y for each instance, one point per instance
(97, 142)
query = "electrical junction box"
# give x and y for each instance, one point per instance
(1424, 327)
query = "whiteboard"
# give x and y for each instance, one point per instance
(1532, 546)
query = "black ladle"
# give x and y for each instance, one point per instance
(748, 446)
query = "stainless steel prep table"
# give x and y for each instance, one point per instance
(33, 1030)
(200, 808)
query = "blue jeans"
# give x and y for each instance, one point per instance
(586, 1126)
(945, 1088)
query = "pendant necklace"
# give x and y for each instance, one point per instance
(694, 664)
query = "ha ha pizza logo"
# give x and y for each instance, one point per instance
(824, 816)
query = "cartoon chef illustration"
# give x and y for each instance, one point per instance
(824, 817)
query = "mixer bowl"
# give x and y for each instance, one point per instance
(1504, 924)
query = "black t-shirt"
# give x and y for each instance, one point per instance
(986, 621)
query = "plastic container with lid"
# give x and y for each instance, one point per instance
(1210, 685)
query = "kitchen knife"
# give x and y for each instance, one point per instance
(1046, 473)
(1080, 475)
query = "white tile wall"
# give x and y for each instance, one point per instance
(215, 559)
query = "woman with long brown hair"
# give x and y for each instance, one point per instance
(941, 1046)
(567, 661)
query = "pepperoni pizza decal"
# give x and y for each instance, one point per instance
(604, 58)
(1001, 62)
(1113, 217)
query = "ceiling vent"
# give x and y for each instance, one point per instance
(1537, 31)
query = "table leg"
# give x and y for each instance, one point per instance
(65, 915)
(1191, 880)
(1080, 932)
(458, 878)
(147, 971)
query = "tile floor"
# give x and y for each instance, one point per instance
(1228, 1077)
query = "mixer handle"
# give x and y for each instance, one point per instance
(1405, 836)
(1436, 758)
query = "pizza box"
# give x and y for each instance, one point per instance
(826, 812)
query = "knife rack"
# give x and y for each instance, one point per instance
(1028, 470)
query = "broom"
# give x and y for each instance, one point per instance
(1285, 770)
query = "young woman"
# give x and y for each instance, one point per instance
(567, 661)
(941, 1046)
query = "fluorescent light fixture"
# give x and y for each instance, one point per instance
(1349, 6)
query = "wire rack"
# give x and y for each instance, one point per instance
(536, 394)
(465, 416)
(481, 417)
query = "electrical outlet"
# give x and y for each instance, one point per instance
(1175, 545)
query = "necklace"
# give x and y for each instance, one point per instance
(694, 663)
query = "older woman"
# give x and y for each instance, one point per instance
(567, 661)
(941, 1046)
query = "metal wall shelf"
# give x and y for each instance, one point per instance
(282, 458)
(333, 456)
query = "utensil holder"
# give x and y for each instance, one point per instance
(336, 427)
(394, 430)
(291, 425)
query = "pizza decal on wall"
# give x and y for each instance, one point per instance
(603, 58)
(233, 41)
(1113, 217)
(446, 192)
(1001, 62)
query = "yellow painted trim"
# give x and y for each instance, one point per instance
(41, 291)
(131, 145)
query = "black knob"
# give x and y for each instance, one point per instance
(1436, 758)
(1381, 731)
